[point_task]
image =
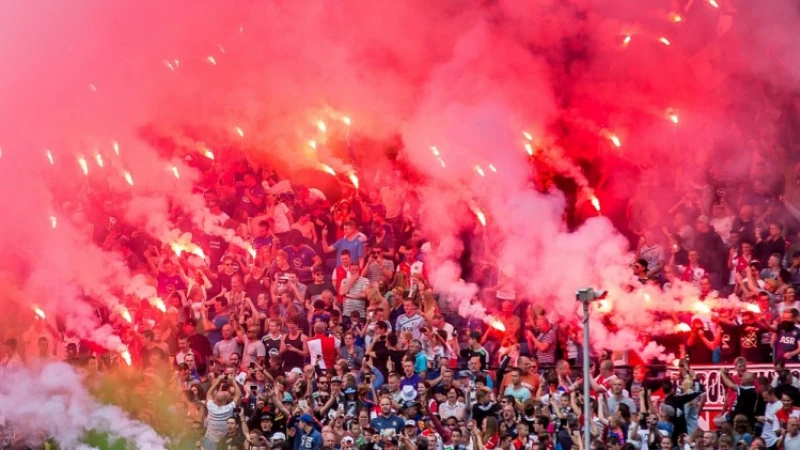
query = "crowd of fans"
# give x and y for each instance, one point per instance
(328, 335)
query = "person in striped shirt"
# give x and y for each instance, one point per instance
(354, 290)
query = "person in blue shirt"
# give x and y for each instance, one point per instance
(301, 256)
(349, 242)
(387, 419)
(264, 236)
(307, 438)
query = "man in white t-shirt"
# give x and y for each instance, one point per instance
(411, 320)
(220, 406)
(790, 439)
(771, 422)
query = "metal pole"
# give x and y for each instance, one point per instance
(587, 409)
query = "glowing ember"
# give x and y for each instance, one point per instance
(676, 362)
(38, 311)
(627, 40)
(49, 156)
(674, 118)
(177, 62)
(480, 171)
(169, 65)
(252, 251)
(84, 165)
(125, 314)
(346, 120)
(615, 140)
(492, 168)
(93, 88)
(529, 148)
(664, 41)
(99, 158)
(479, 215)
(321, 126)
(647, 297)
(209, 154)
(211, 60)
(527, 135)
(434, 150)
(158, 304)
(596, 203)
(682, 328)
(327, 168)
(240, 132)
(190, 247)
(115, 145)
(752, 308)
(125, 354)
(713, 3)
(128, 178)
(53, 222)
(497, 325)
(701, 308)
(221, 48)
(441, 162)
(175, 172)
(603, 306)
(675, 17)
(313, 144)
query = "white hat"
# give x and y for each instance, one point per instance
(277, 437)
(408, 393)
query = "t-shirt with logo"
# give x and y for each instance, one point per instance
(755, 343)
(302, 259)
(786, 341)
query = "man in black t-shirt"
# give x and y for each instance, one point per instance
(318, 285)
(754, 340)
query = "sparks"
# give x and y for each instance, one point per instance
(221, 48)
(492, 168)
(664, 41)
(675, 17)
(682, 328)
(479, 171)
(713, 3)
(93, 88)
(169, 65)
(158, 304)
(49, 155)
(527, 135)
(479, 215)
(313, 144)
(240, 132)
(115, 146)
(38, 311)
(647, 297)
(175, 172)
(53, 222)
(211, 60)
(99, 159)
(251, 250)
(321, 126)
(209, 154)
(128, 178)
(603, 306)
(497, 325)
(327, 168)
(615, 140)
(674, 118)
(435, 150)
(529, 148)
(84, 165)
(752, 308)
(353, 179)
(346, 120)
(126, 355)
(596, 203)
(441, 162)
(627, 40)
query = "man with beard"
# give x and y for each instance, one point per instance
(754, 340)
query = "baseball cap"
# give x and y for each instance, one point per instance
(411, 423)
(277, 437)
(287, 398)
(306, 418)
(348, 440)
(336, 380)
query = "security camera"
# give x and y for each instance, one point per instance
(590, 295)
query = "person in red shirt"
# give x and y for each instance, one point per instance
(786, 411)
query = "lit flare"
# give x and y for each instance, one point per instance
(125, 314)
(595, 203)
(627, 40)
(435, 150)
(529, 148)
(175, 172)
(682, 328)
(169, 65)
(99, 159)
(93, 88)
(240, 132)
(752, 308)
(115, 145)
(664, 41)
(53, 222)
(441, 162)
(492, 168)
(321, 126)
(84, 165)
(497, 325)
(527, 135)
(353, 179)
(675, 17)
(128, 178)
(158, 304)
(328, 169)
(313, 144)
(480, 171)
(713, 3)
(209, 154)
(479, 215)
(211, 60)
(615, 140)
(49, 155)
(126, 355)
(346, 120)
(39, 312)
